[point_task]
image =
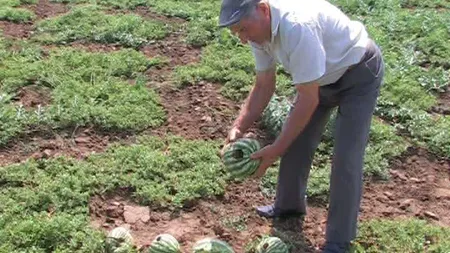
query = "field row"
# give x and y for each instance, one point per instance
(110, 91)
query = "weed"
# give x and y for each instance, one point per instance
(410, 235)
(90, 23)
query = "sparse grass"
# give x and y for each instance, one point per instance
(237, 223)
(407, 236)
(219, 63)
(380, 235)
(9, 12)
(228, 62)
(87, 89)
(54, 194)
(17, 15)
(107, 103)
(10, 119)
(90, 23)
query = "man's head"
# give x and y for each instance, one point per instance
(248, 19)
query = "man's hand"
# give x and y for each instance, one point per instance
(234, 134)
(254, 105)
(268, 155)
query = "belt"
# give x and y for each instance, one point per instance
(369, 45)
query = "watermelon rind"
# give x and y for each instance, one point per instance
(164, 243)
(119, 240)
(272, 244)
(243, 166)
(212, 245)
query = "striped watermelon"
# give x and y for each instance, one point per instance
(236, 157)
(119, 240)
(212, 245)
(164, 243)
(272, 245)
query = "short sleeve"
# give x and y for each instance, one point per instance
(263, 60)
(307, 57)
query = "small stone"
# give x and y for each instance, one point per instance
(47, 153)
(443, 193)
(207, 118)
(134, 213)
(406, 203)
(111, 211)
(319, 230)
(82, 139)
(415, 180)
(36, 155)
(165, 216)
(110, 220)
(399, 175)
(382, 199)
(431, 215)
(389, 195)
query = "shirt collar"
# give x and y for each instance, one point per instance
(275, 17)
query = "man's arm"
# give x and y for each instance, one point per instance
(257, 99)
(304, 107)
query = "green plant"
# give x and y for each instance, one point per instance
(410, 235)
(91, 24)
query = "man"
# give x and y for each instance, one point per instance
(333, 63)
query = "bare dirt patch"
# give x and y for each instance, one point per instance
(95, 47)
(45, 9)
(230, 218)
(147, 13)
(175, 51)
(16, 30)
(443, 105)
(420, 188)
(77, 143)
(199, 112)
(33, 96)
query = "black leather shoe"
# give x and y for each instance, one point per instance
(271, 212)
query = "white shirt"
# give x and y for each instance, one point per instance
(312, 39)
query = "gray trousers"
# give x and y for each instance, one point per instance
(355, 94)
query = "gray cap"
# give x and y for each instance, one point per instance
(233, 10)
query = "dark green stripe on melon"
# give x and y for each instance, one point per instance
(237, 160)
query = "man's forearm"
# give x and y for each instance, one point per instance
(256, 102)
(296, 122)
(253, 107)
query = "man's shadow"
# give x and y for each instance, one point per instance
(290, 231)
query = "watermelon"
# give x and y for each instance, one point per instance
(164, 243)
(119, 240)
(212, 245)
(275, 114)
(237, 160)
(272, 245)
